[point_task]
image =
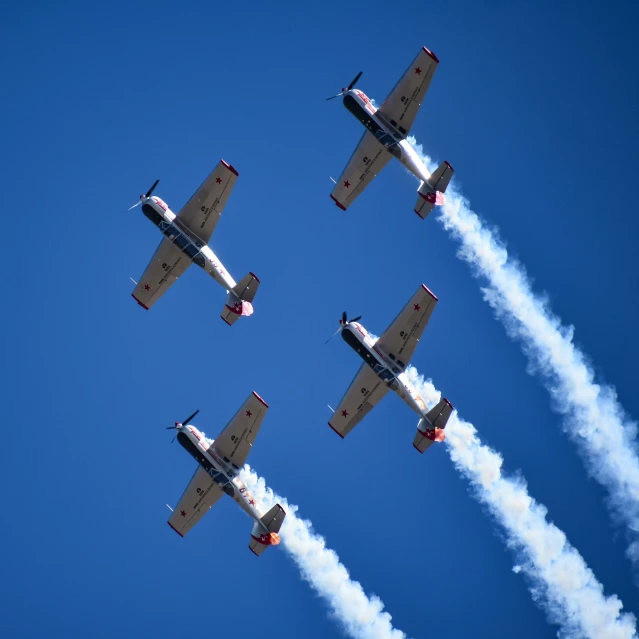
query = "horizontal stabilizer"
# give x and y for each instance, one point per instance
(431, 193)
(239, 299)
(424, 439)
(273, 519)
(431, 427)
(265, 531)
(439, 415)
(246, 288)
(439, 180)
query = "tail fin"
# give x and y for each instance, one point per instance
(265, 531)
(239, 299)
(431, 192)
(431, 427)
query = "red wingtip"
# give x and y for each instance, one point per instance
(430, 292)
(229, 167)
(431, 54)
(260, 399)
(176, 530)
(146, 308)
(341, 206)
(333, 427)
(255, 276)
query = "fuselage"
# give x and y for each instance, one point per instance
(389, 134)
(220, 469)
(389, 370)
(199, 253)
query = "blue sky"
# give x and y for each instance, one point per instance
(535, 108)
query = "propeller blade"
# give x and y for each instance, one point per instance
(148, 193)
(344, 318)
(333, 335)
(333, 97)
(136, 204)
(359, 317)
(188, 419)
(352, 84)
(173, 439)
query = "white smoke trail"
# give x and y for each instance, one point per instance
(592, 415)
(561, 582)
(362, 616)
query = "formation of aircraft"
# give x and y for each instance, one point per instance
(186, 237)
(219, 462)
(386, 130)
(385, 362)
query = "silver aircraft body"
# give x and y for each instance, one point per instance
(186, 237)
(387, 128)
(384, 368)
(219, 462)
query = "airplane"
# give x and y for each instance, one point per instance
(385, 137)
(186, 237)
(219, 462)
(385, 362)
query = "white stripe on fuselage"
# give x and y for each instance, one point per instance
(405, 388)
(410, 158)
(242, 495)
(213, 266)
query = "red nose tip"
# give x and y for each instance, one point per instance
(343, 89)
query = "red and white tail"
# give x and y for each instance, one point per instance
(265, 531)
(239, 299)
(431, 193)
(431, 427)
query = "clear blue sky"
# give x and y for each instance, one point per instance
(535, 107)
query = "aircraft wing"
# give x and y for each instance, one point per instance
(403, 102)
(165, 267)
(201, 493)
(369, 158)
(400, 338)
(363, 393)
(201, 213)
(235, 441)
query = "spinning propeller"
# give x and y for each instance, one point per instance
(342, 323)
(348, 88)
(179, 425)
(148, 194)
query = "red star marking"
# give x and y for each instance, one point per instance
(418, 70)
(147, 287)
(249, 413)
(252, 502)
(344, 413)
(182, 513)
(218, 180)
(417, 307)
(347, 184)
